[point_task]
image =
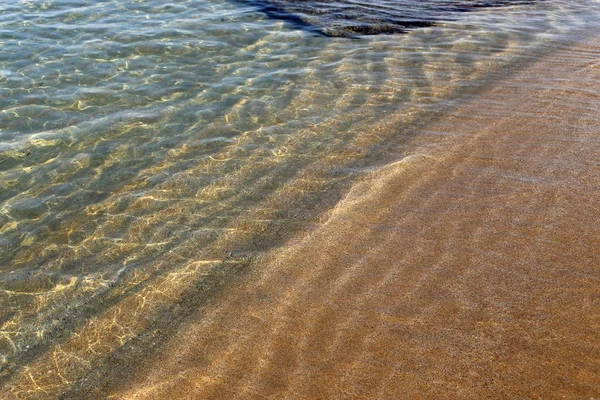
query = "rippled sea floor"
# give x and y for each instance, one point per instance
(149, 148)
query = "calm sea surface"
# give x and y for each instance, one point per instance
(146, 146)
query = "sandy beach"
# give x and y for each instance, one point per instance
(469, 269)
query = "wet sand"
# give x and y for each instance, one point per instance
(467, 270)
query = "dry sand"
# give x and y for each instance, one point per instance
(468, 270)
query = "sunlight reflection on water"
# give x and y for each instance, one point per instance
(143, 143)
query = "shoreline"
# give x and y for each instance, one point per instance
(465, 270)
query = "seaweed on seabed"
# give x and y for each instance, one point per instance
(353, 18)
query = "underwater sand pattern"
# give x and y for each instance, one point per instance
(467, 269)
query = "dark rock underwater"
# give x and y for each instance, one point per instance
(352, 18)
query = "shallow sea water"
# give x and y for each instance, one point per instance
(150, 149)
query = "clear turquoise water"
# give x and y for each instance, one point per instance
(147, 139)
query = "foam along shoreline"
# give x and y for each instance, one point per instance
(467, 270)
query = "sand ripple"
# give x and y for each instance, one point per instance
(468, 270)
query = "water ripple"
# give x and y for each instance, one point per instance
(144, 141)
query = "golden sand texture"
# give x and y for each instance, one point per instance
(470, 269)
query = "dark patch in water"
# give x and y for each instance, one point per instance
(351, 18)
